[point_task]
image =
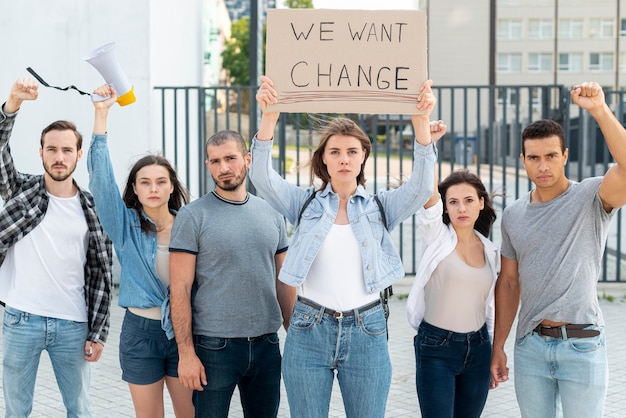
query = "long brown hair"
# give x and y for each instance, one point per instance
(178, 198)
(487, 215)
(339, 126)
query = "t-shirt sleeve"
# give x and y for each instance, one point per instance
(283, 242)
(506, 249)
(184, 236)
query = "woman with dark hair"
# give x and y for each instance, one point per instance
(139, 223)
(341, 256)
(451, 302)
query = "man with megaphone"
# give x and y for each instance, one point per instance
(55, 266)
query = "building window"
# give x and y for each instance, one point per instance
(622, 31)
(539, 62)
(540, 29)
(571, 62)
(507, 96)
(601, 61)
(510, 63)
(622, 62)
(601, 28)
(570, 28)
(509, 29)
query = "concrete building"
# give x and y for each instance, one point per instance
(159, 42)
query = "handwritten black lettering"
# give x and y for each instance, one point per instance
(382, 84)
(301, 34)
(356, 34)
(344, 74)
(350, 75)
(323, 31)
(367, 77)
(372, 32)
(328, 74)
(388, 32)
(293, 69)
(398, 79)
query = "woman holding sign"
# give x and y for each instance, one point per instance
(341, 256)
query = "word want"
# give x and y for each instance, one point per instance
(370, 32)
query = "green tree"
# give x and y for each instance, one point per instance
(236, 53)
(299, 4)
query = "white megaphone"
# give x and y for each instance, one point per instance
(105, 61)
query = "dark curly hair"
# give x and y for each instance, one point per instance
(541, 129)
(487, 215)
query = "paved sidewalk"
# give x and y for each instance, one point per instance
(110, 396)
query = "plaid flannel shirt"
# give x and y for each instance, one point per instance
(25, 205)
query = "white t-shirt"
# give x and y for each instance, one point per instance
(43, 273)
(335, 279)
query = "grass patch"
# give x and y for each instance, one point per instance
(606, 297)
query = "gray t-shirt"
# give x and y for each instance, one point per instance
(558, 246)
(234, 293)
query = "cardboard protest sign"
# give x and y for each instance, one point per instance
(346, 61)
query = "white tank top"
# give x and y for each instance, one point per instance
(43, 273)
(335, 279)
(456, 295)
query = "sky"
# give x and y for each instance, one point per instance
(366, 4)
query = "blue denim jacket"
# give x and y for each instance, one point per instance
(381, 262)
(140, 286)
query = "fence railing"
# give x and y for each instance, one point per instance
(484, 131)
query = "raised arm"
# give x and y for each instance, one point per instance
(437, 131)
(590, 97)
(421, 123)
(102, 108)
(111, 208)
(265, 96)
(22, 89)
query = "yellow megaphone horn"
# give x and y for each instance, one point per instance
(104, 59)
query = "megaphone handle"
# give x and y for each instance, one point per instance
(97, 98)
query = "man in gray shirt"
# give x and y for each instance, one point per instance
(226, 250)
(553, 239)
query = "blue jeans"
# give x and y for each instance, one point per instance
(452, 371)
(574, 369)
(25, 336)
(317, 345)
(252, 364)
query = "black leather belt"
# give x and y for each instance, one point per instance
(338, 314)
(571, 331)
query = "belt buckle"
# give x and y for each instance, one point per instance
(338, 315)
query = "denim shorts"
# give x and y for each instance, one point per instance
(146, 355)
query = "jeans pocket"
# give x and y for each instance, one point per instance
(432, 341)
(374, 323)
(586, 345)
(302, 320)
(211, 343)
(272, 339)
(521, 341)
(12, 317)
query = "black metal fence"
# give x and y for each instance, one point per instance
(484, 131)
